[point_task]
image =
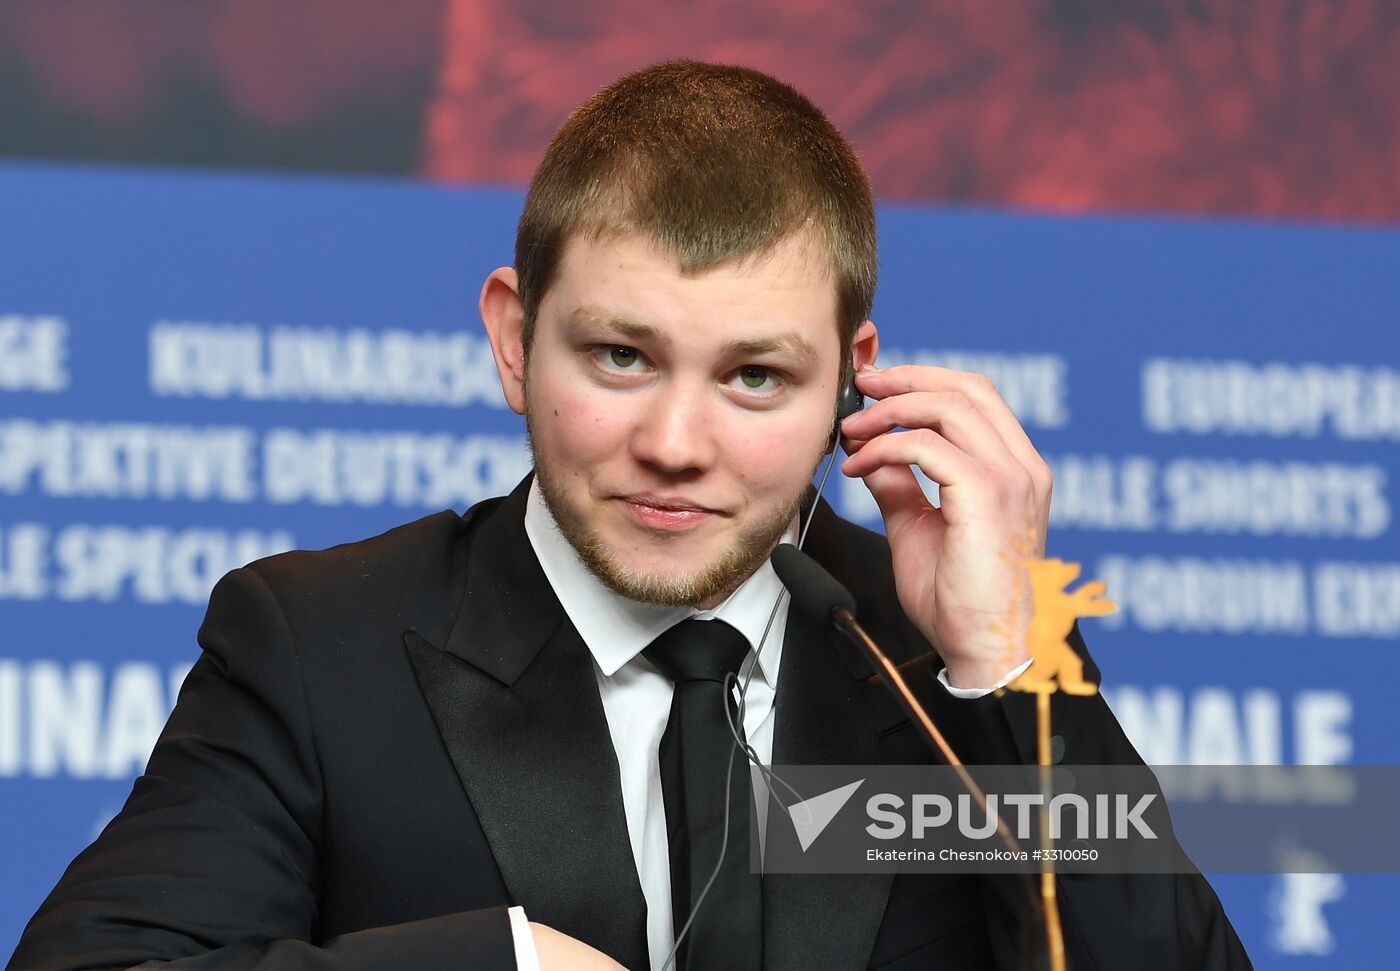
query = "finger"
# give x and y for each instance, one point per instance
(851, 445)
(940, 459)
(905, 378)
(899, 495)
(909, 378)
(953, 414)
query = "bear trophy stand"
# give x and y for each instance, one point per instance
(1054, 666)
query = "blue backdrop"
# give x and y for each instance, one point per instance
(197, 370)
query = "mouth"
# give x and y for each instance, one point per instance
(666, 513)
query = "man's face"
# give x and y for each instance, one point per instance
(676, 420)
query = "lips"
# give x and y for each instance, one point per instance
(666, 512)
(668, 503)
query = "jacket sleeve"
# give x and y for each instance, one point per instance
(214, 860)
(1144, 921)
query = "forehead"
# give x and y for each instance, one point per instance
(787, 289)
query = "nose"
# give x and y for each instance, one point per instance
(675, 431)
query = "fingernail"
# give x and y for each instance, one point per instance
(868, 369)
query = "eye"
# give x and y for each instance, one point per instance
(755, 377)
(622, 358)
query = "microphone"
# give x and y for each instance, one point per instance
(823, 599)
(814, 592)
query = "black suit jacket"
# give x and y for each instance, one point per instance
(386, 743)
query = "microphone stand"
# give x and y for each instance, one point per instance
(846, 621)
(820, 596)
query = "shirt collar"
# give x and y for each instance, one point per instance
(617, 629)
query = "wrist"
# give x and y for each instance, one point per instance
(981, 675)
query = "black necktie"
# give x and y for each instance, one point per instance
(696, 752)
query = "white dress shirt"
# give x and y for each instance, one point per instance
(637, 699)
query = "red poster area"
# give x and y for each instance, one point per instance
(1263, 109)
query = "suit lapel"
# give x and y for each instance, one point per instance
(514, 695)
(813, 920)
(830, 711)
(515, 698)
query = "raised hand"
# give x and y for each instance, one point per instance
(957, 565)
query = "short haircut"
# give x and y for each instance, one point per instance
(714, 163)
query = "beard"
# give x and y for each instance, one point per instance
(705, 585)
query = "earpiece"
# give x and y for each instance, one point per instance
(848, 402)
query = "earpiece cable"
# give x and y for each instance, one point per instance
(735, 717)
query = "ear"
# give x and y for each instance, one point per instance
(504, 317)
(866, 345)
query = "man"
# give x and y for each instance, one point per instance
(447, 746)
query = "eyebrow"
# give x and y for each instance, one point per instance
(791, 344)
